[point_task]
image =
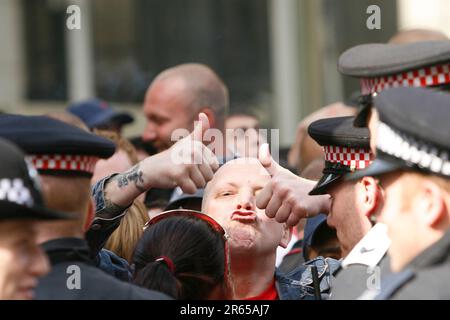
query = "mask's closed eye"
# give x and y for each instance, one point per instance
(225, 193)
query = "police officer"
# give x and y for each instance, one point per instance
(65, 157)
(363, 244)
(22, 261)
(379, 66)
(413, 166)
(383, 66)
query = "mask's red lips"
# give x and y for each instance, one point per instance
(244, 216)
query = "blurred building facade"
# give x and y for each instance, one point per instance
(276, 56)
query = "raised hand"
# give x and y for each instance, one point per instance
(285, 197)
(188, 164)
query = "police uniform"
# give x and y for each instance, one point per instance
(347, 150)
(20, 188)
(413, 135)
(56, 148)
(364, 266)
(381, 66)
(74, 276)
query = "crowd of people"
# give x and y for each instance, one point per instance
(358, 209)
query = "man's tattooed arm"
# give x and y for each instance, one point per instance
(132, 176)
(120, 190)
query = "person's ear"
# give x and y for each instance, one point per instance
(211, 116)
(370, 195)
(430, 204)
(286, 237)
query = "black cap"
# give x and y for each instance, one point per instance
(346, 149)
(55, 147)
(413, 132)
(179, 199)
(382, 66)
(20, 196)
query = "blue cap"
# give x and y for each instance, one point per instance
(96, 112)
(312, 224)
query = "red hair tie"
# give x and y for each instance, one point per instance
(168, 262)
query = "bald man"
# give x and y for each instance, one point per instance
(176, 97)
(230, 198)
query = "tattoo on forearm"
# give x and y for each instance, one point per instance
(134, 175)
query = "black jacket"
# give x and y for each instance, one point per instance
(73, 276)
(425, 277)
(364, 268)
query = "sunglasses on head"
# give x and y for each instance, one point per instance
(187, 213)
(201, 216)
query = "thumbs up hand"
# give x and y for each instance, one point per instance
(285, 197)
(188, 164)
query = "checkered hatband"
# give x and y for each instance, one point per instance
(59, 162)
(355, 158)
(425, 77)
